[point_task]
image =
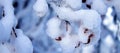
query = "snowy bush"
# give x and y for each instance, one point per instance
(59, 26)
(88, 29)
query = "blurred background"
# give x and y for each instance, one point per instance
(34, 27)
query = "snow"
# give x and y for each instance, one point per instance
(9, 15)
(3, 36)
(100, 7)
(4, 49)
(41, 7)
(59, 26)
(109, 41)
(22, 43)
(53, 28)
(74, 4)
(88, 49)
